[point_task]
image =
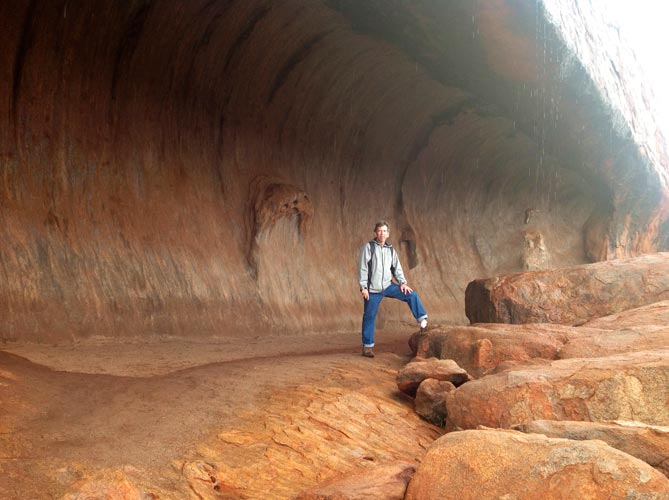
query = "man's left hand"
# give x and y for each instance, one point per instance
(405, 289)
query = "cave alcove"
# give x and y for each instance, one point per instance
(206, 168)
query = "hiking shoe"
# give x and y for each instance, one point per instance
(367, 352)
(423, 325)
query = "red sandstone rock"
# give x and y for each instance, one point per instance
(631, 386)
(410, 377)
(570, 296)
(649, 443)
(385, 482)
(487, 348)
(493, 465)
(430, 400)
(480, 348)
(110, 484)
(518, 365)
(656, 313)
(130, 164)
(576, 342)
(606, 343)
(125, 192)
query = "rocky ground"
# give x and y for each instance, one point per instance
(514, 411)
(246, 418)
(537, 410)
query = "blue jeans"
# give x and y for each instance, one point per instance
(372, 307)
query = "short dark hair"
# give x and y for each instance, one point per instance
(381, 223)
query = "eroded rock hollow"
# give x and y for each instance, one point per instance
(211, 167)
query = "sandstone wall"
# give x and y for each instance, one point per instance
(211, 167)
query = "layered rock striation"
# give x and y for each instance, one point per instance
(207, 168)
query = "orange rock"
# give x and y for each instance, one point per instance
(494, 464)
(488, 348)
(570, 296)
(480, 348)
(410, 377)
(518, 365)
(631, 386)
(649, 443)
(656, 313)
(430, 402)
(385, 482)
(607, 343)
(113, 485)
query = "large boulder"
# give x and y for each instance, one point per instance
(569, 296)
(656, 313)
(430, 402)
(600, 343)
(632, 386)
(649, 443)
(495, 464)
(480, 348)
(409, 378)
(487, 348)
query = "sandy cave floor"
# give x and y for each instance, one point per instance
(244, 418)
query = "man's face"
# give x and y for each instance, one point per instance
(381, 234)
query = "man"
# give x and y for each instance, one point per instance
(378, 263)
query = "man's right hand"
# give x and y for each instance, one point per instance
(365, 293)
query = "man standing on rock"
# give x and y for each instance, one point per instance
(378, 264)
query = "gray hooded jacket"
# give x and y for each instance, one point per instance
(379, 262)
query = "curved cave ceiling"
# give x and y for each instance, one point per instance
(211, 167)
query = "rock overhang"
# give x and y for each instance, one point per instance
(134, 135)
